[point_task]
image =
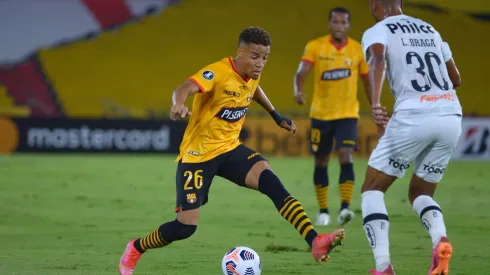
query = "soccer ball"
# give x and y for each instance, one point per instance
(241, 260)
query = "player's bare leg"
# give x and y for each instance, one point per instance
(375, 218)
(261, 178)
(346, 184)
(181, 228)
(320, 179)
(420, 196)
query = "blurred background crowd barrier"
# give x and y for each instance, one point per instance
(97, 76)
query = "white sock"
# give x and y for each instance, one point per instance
(431, 216)
(377, 226)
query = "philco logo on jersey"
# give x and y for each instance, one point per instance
(232, 114)
(336, 74)
(409, 27)
(191, 198)
(208, 75)
(231, 93)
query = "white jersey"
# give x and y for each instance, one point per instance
(416, 68)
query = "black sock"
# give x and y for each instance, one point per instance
(165, 235)
(288, 207)
(346, 184)
(320, 179)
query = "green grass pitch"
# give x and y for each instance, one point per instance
(74, 214)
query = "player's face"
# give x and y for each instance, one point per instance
(375, 10)
(339, 25)
(254, 58)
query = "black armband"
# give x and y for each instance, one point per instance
(278, 118)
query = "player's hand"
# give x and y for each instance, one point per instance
(179, 111)
(288, 125)
(300, 98)
(380, 116)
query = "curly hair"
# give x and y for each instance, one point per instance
(255, 35)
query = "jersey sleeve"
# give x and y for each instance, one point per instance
(205, 79)
(309, 54)
(363, 66)
(375, 35)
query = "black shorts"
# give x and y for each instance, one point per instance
(324, 132)
(194, 179)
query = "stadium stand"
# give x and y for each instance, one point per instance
(132, 71)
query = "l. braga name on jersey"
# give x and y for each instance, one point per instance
(410, 27)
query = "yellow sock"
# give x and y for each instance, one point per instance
(322, 197)
(346, 189)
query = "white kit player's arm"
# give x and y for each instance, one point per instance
(450, 65)
(374, 42)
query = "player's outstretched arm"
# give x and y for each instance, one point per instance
(377, 65)
(304, 69)
(281, 121)
(451, 65)
(179, 110)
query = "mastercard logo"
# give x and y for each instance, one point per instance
(9, 136)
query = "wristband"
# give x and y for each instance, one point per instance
(278, 118)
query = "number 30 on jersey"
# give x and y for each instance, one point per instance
(436, 73)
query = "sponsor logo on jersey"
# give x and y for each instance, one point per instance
(409, 27)
(232, 114)
(231, 93)
(435, 168)
(336, 74)
(208, 75)
(327, 58)
(430, 98)
(398, 163)
(253, 155)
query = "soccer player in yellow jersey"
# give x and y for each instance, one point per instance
(222, 93)
(337, 61)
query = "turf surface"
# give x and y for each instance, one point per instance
(74, 214)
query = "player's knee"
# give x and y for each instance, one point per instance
(346, 156)
(271, 186)
(376, 181)
(419, 187)
(184, 231)
(321, 161)
(252, 180)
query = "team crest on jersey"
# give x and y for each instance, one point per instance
(348, 62)
(208, 75)
(191, 198)
(232, 114)
(336, 74)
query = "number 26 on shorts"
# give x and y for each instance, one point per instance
(198, 180)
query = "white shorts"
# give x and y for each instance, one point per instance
(429, 141)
